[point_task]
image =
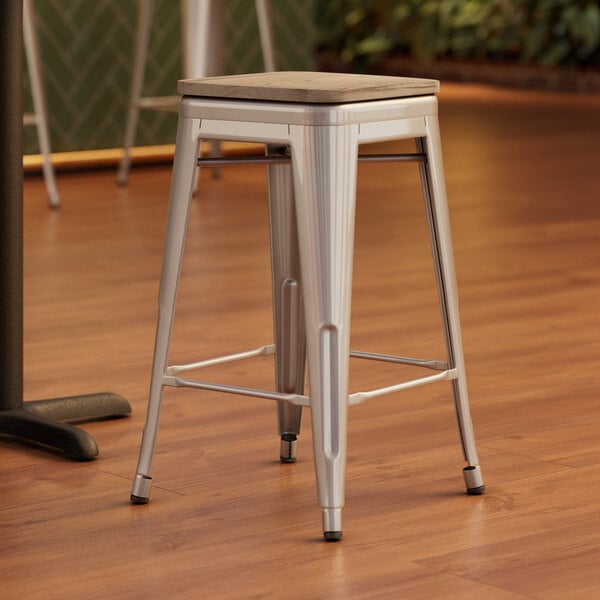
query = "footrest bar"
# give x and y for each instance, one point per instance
(360, 397)
(435, 365)
(296, 399)
(300, 400)
(262, 351)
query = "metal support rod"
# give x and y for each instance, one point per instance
(268, 350)
(300, 399)
(259, 159)
(435, 365)
(360, 397)
(297, 399)
(262, 351)
(171, 378)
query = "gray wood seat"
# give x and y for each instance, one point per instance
(308, 87)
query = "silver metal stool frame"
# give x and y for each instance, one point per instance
(315, 197)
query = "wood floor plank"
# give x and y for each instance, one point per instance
(545, 565)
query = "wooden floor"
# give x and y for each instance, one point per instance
(226, 520)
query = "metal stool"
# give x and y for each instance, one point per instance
(315, 121)
(202, 40)
(39, 117)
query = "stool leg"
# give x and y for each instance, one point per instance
(288, 317)
(263, 14)
(203, 27)
(434, 191)
(324, 162)
(39, 100)
(146, 8)
(182, 183)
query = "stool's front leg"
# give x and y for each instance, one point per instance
(324, 162)
(434, 190)
(288, 311)
(182, 183)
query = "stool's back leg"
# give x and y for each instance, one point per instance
(434, 191)
(288, 310)
(182, 183)
(263, 14)
(324, 162)
(203, 27)
(39, 99)
(145, 10)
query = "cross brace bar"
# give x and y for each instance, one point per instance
(249, 159)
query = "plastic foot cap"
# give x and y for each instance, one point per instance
(476, 491)
(287, 449)
(473, 479)
(140, 492)
(138, 499)
(332, 523)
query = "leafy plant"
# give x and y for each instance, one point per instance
(562, 32)
(547, 32)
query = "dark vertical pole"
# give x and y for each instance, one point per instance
(37, 421)
(11, 205)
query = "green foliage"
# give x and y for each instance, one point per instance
(547, 32)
